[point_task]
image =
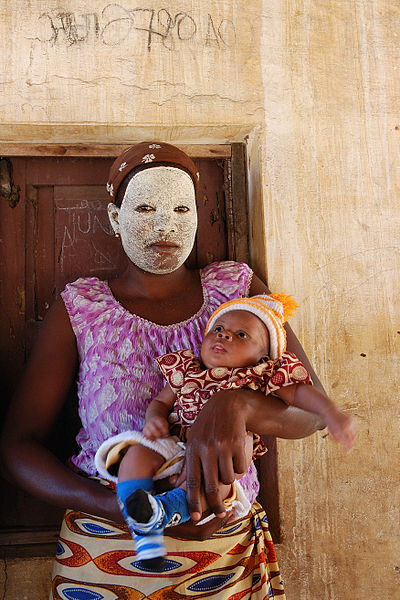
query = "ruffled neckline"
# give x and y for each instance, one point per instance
(131, 315)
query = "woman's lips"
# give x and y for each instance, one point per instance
(163, 246)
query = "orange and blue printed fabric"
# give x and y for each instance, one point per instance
(96, 561)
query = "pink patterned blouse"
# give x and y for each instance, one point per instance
(118, 375)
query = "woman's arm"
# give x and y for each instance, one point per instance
(33, 412)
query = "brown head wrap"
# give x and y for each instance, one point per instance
(146, 155)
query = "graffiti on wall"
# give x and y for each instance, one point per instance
(116, 24)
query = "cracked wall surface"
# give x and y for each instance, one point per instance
(313, 87)
(124, 63)
(25, 580)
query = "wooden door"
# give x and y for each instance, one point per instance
(54, 228)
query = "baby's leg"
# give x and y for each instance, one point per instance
(137, 469)
(147, 515)
(135, 475)
(136, 472)
(139, 462)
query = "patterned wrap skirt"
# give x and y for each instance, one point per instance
(96, 561)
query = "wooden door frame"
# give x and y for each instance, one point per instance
(88, 150)
(41, 542)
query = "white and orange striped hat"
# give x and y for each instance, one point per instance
(273, 310)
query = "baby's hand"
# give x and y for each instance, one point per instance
(155, 428)
(342, 428)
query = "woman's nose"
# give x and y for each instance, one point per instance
(164, 222)
(225, 334)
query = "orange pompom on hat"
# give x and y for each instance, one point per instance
(273, 310)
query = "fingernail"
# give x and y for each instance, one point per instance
(196, 516)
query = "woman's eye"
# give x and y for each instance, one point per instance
(241, 334)
(218, 329)
(144, 208)
(181, 209)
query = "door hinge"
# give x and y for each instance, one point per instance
(8, 190)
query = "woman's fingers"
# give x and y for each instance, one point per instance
(211, 479)
(193, 483)
(180, 480)
(232, 459)
(202, 464)
(226, 469)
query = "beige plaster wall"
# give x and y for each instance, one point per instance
(313, 85)
(331, 176)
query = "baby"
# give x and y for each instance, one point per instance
(244, 346)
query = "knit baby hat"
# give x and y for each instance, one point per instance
(273, 310)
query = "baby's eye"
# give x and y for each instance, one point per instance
(181, 209)
(218, 329)
(143, 208)
(241, 334)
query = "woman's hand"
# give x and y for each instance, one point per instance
(215, 451)
(216, 447)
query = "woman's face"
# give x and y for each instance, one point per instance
(157, 220)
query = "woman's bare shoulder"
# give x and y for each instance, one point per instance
(55, 329)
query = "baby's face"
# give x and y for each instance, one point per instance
(237, 339)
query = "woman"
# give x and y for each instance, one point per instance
(107, 335)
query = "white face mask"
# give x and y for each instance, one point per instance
(157, 220)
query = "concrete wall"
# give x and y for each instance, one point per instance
(313, 86)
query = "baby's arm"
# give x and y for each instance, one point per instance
(341, 426)
(157, 414)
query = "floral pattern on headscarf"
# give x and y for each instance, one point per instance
(147, 155)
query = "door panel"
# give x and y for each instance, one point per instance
(83, 234)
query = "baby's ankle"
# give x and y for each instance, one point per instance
(138, 506)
